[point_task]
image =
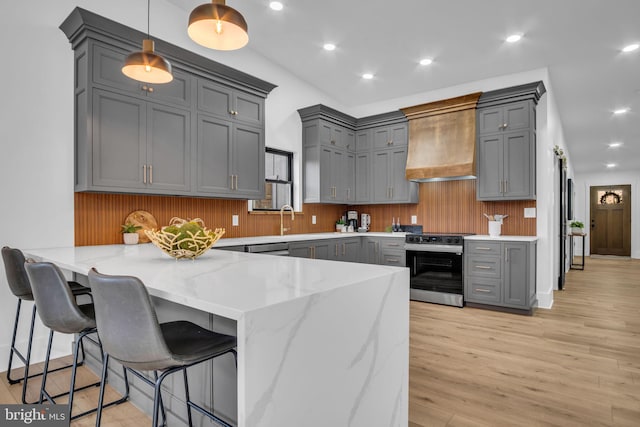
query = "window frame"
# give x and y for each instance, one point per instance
(289, 157)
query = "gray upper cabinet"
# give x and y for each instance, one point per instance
(506, 144)
(139, 146)
(389, 182)
(390, 136)
(223, 102)
(229, 159)
(375, 173)
(201, 135)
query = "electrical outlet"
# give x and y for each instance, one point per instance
(414, 219)
(529, 212)
(313, 219)
(234, 220)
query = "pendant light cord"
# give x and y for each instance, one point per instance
(148, 18)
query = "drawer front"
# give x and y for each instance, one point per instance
(391, 243)
(396, 258)
(482, 247)
(483, 266)
(482, 290)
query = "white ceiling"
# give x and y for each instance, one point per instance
(579, 41)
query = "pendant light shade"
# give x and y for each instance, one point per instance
(218, 26)
(146, 66)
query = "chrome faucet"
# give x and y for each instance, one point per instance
(282, 209)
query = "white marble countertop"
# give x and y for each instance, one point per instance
(256, 240)
(225, 283)
(502, 238)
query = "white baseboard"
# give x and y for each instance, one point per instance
(545, 300)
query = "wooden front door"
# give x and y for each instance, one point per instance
(611, 220)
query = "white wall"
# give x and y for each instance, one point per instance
(583, 183)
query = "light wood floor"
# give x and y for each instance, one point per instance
(575, 365)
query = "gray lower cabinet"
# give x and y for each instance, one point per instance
(137, 146)
(313, 249)
(230, 159)
(500, 274)
(346, 249)
(384, 251)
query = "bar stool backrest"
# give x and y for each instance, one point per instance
(16, 274)
(56, 304)
(127, 323)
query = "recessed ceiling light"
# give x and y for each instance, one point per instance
(615, 144)
(620, 111)
(426, 61)
(514, 38)
(276, 5)
(611, 165)
(329, 46)
(631, 47)
(367, 76)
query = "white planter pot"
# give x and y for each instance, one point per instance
(130, 238)
(576, 230)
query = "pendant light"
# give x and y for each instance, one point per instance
(146, 66)
(218, 26)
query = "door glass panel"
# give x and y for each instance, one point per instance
(610, 197)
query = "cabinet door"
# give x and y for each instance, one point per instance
(248, 162)
(107, 70)
(168, 148)
(300, 249)
(517, 165)
(215, 99)
(516, 286)
(351, 249)
(380, 176)
(394, 258)
(490, 163)
(482, 290)
(370, 250)
(399, 135)
(176, 92)
(349, 140)
(347, 175)
(363, 177)
(516, 116)
(323, 249)
(119, 141)
(490, 120)
(213, 156)
(248, 109)
(382, 137)
(327, 187)
(363, 141)
(397, 178)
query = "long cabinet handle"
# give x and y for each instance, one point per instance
(481, 290)
(336, 249)
(150, 174)
(393, 260)
(506, 186)
(344, 249)
(482, 248)
(483, 267)
(144, 174)
(506, 255)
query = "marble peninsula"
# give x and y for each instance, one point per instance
(319, 342)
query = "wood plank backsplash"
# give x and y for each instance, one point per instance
(451, 206)
(447, 206)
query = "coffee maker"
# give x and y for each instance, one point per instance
(352, 220)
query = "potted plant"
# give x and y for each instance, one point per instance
(130, 233)
(577, 227)
(340, 224)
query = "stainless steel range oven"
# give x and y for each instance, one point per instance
(436, 265)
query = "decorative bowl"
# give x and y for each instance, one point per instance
(185, 238)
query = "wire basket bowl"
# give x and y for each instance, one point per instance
(185, 239)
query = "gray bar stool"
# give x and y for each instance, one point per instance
(21, 288)
(60, 312)
(131, 334)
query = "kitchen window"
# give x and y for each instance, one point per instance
(278, 187)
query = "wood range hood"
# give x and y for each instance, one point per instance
(442, 139)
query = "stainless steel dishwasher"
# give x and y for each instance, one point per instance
(281, 248)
